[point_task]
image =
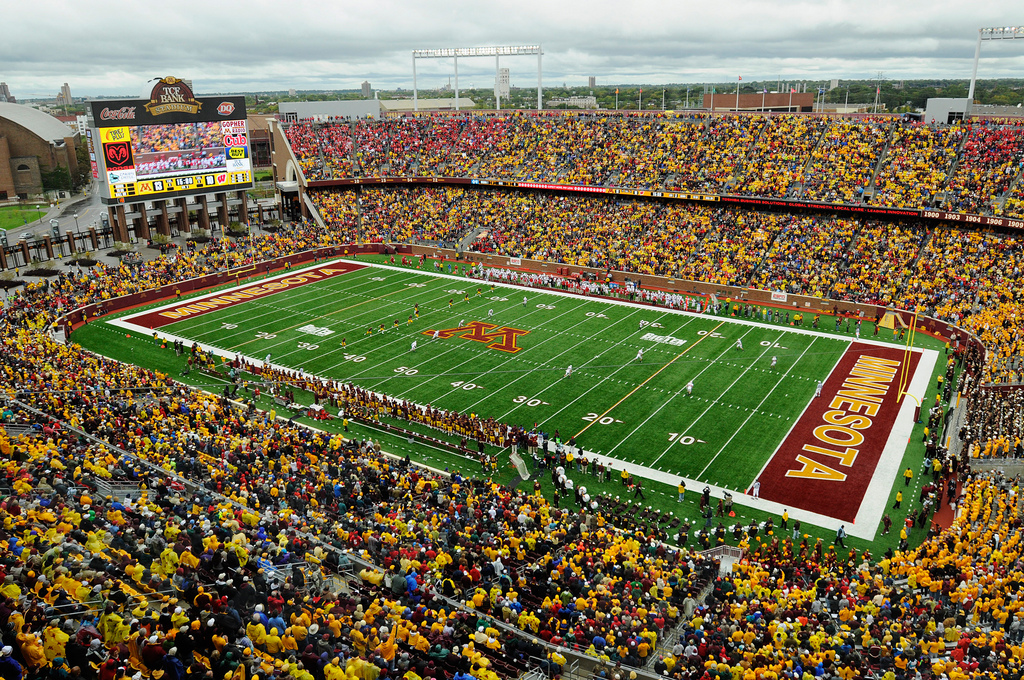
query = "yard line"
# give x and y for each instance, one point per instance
(324, 316)
(408, 338)
(288, 311)
(606, 378)
(756, 409)
(712, 403)
(665, 403)
(585, 340)
(464, 349)
(516, 356)
(238, 311)
(296, 351)
(672, 361)
(800, 415)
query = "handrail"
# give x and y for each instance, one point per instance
(720, 551)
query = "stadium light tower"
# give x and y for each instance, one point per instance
(496, 52)
(997, 33)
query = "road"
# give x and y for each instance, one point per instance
(89, 214)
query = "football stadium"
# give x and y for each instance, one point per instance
(595, 395)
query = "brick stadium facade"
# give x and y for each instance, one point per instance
(798, 102)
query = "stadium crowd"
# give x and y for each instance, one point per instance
(916, 164)
(819, 158)
(775, 165)
(219, 562)
(989, 163)
(844, 161)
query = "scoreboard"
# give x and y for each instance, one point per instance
(172, 145)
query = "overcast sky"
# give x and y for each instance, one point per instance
(104, 47)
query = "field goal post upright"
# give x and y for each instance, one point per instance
(466, 52)
(997, 33)
(905, 367)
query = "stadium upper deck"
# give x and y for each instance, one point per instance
(879, 161)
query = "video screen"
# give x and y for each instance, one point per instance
(183, 148)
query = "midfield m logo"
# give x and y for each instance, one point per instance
(503, 339)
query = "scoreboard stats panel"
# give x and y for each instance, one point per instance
(191, 183)
(173, 145)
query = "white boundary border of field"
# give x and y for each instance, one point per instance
(875, 499)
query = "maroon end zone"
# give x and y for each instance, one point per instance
(828, 459)
(215, 301)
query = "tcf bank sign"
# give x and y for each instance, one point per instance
(172, 95)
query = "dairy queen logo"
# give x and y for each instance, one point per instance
(171, 95)
(225, 108)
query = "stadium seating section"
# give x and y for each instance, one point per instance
(154, 530)
(884, 161)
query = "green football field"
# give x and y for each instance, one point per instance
(617, 406)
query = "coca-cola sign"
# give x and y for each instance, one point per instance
(123, 113)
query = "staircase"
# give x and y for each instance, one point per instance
(1018, 181)
(14, 431)
(810, 158)
(768, 249)
(912, 265)
(359, 211)
(469, 238)
(841, 271)
(940, 195)
(869, 190)
(313, 211)
(741, 172)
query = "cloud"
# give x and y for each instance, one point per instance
(107, 47)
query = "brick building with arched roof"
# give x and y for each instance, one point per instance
(32, 142)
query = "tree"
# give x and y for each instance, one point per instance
(81, 177)
(55, 179)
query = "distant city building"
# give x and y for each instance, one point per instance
(592, 81)
(64, 96)
(501, 83)
(291, 92)
(578, 102)
(366, 89)
(70, 121)
(5, 95)
(834, 84)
